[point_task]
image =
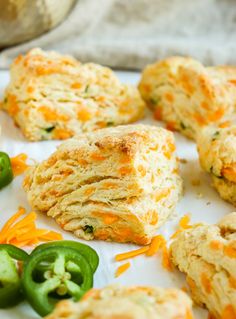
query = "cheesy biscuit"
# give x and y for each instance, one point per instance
(136, 302)
(117, 183)
(207, 255)
(217, 155)
(52, 96)
(187, 95)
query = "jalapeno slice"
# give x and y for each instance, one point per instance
(14, 252)
(67, 275)
(86, 251)
(6, 174)
(10, 285)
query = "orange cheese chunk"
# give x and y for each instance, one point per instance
(171, 126)
(225, 124)
(229, 312)
(89, 191)
(216, 116)
(13, 107)
(97, 157)
(125, 170)
(158, 114)
(206, 282)
(84, 115)
(48, 113)
(232, 282)
(216, 245)
(230, 172)
(76, 85)
(62, 134)
(169, 97)
(230, 250)
(108, 218)
(200, 119)
(191, 283)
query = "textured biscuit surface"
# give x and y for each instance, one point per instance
(187, 95)
(51, 96)
(116, 184)
(116, 302)
(207, 254)
(217, 155)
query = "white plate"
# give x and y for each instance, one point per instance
(202, 202)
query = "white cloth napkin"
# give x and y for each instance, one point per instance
(133, 33)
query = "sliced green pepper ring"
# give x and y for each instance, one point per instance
(58, 282)
(86, 251)
(6, 174)
(10, 285)
(15, 252)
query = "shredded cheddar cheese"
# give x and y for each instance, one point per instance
(156, 244)
(121, 269)
(131, 254)
(18, 164)
(166, 263)
(183, 224)
(24, 232)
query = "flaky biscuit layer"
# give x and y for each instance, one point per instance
(120, 183)
(207, 255)
(115, 302)
(51, 96)
(187, 95)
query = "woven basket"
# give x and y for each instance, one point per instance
(22, 20)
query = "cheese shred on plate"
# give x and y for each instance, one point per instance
(121, 269)
(158, 243)
(24, 232)
(18, 164)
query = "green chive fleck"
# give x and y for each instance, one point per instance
(88, 229)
